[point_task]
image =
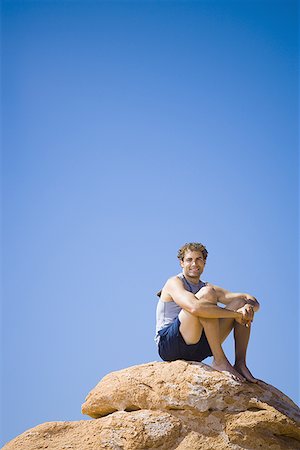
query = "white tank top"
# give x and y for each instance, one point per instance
(166, 312)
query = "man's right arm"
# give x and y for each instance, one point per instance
(190, 303)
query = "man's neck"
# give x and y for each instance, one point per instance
(193, 280)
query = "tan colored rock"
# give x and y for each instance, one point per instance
(216, 411)
(196, 441)
(181, 385)
(173, 406)
(129, 431)
(253, 429)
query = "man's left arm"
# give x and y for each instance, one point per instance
(226, 297)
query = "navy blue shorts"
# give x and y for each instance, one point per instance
(172, 346)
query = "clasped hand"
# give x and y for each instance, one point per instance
(247, 312)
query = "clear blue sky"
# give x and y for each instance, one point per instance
(130, 128)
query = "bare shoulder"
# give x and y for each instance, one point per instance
(175, 280)
(173, 283)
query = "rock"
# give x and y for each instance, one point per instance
(181, 385)
(175, 405)
(196, 441)
(129, 431)
(215, 410)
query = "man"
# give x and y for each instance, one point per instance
(191, 326)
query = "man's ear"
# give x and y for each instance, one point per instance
(181, 263)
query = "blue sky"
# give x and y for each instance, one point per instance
(130, 128)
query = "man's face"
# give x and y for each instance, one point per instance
(193, 264)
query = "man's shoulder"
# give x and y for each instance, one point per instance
(172, 282)
(174, 279)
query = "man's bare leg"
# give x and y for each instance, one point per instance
(241, 333)
(220, 362)
(191, 329)
(241, 339)
(216, 331)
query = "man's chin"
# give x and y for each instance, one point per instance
(194, 276)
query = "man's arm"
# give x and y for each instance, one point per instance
(226, 297)
(190, 303)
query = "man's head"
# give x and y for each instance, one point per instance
(194, 247)
(192, 258)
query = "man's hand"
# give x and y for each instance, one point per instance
(247, 312)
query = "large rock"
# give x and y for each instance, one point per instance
(178, 405)
(215, 410)
(121, 430)
(182, 385)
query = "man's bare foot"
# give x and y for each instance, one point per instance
(227, 367)
(243, 370)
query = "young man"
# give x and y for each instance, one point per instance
(191, 326)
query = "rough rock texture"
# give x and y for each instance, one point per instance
(137, 430)
(181, 385)
(178, 405)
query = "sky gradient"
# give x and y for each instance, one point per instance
(130, 128)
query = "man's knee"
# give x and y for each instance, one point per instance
(207, 294)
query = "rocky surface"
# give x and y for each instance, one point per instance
(137, 430)
(178, 405)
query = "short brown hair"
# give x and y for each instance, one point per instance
(194, 247)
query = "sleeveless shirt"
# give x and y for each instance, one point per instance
(166, 312)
